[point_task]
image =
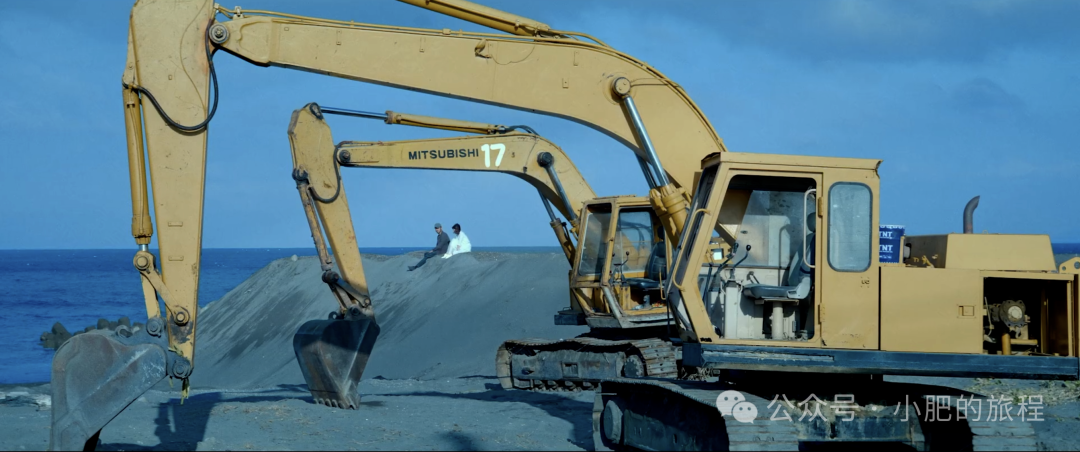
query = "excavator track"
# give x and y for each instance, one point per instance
(1008, 435)
(582, 362)
(657, 414)
(982, 432)
(653, 414)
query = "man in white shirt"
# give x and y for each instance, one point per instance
(459, 244)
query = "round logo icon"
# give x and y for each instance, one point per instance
(744, 412)
(726, 401)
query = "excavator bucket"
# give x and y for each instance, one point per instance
(95, 375)
(332, 355)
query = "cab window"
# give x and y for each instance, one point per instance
(634, 236)
(774, 210)
(594, 242)
(850, 228)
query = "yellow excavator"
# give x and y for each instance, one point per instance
(332, 353)
(624, 339)
(748, 297)
(169, 69)
(801, 309)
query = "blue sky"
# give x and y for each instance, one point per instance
(959, 98)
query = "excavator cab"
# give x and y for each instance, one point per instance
(763, 288)
(621, 264)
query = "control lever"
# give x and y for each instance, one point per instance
(734, 247)
(731, 274)
(719, 269)
(731, 254)
(621, 276)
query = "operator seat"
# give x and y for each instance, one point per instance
(800, 277)
(655, 269)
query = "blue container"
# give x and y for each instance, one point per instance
(889, 243)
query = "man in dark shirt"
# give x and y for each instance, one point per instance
(441, 245)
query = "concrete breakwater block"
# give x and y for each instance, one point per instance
(56, 336)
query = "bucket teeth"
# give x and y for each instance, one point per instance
(332, 355)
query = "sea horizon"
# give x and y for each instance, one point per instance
(312, 248)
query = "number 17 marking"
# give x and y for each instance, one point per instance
(487, 153)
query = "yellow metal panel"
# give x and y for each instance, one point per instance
(799, 161)
(1025, 275)
(1007, 252)
(1001, 252)
(1070, 266)
(1074, 315)
(483, 15)
(927, 310)
(848, 314)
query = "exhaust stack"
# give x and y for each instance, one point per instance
(969, 213)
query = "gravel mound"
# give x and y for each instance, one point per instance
(444, 320)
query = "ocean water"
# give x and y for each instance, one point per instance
(77, 287)
(1066, 248)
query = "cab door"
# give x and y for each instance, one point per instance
(593, 262)
(848, 314)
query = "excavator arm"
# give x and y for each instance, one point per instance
(332, 353)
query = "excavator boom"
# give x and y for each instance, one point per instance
(569, 78)
(528, 157)
(496, 148)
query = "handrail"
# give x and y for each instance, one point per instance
(806, 196)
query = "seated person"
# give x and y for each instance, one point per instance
(459, 244)
(442, 242)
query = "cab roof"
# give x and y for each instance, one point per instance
(790, 160)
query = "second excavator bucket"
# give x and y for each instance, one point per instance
(95, 375)
(332, 355)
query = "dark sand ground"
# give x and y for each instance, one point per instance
(454, 414)
(429, 383)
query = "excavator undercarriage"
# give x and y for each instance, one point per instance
(582, 362)
(798, 412)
